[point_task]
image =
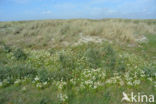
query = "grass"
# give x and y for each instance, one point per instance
(52, 62)
(54, 33)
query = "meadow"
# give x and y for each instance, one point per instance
(77, 61)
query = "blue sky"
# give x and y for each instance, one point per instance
(67, 9)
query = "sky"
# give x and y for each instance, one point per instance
(14, 10)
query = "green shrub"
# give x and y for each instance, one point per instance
(109, 57)
(19, 54)
(93, 57)
(66, 61)
(101, 57)
(66, 67)
(6, 48)
(44, 75)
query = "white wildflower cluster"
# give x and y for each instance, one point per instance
(62, 97)
(20, 81)
(36, 78)
(150, 79)
(24, 88)
(116, 79)
(60, 84)
(92, 78)
(136, 82)
(17, 81)
(132, 80)
(142, 73)
(41, 84)
(73, 81)
(129, 78)
(132, 61)
(39, 58)
(38, 83)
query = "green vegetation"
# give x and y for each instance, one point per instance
(76, 61)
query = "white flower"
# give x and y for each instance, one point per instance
(150, 79)
(60, 84)
(45, 83)
(62, 97)
(88, 82)
(17, 81)
(36, 78)
(73, 81)
(121, 82)
(94, 77)
(130, 83)
(109, 81)
(39, 85)
(137, 82)
(24, 88)
(94, 86)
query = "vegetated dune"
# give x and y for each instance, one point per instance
(77, 61)
(52, 33)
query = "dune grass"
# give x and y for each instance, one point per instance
(55, 33)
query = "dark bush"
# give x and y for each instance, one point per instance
(109, 57)
(66, 67)
(101, 57)
(93, 57)
(6, 48)
(44, 75)
(19, 54)
(66, 61)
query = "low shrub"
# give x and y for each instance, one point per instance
(101, 57)
(44, 75)
(19, 54)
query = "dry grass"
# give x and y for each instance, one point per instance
(52, 33)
